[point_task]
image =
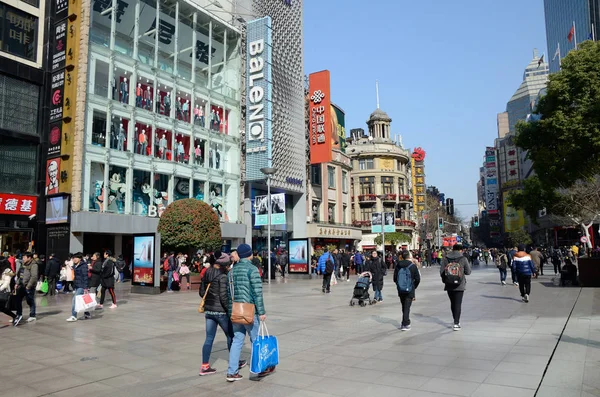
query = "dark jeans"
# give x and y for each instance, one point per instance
(326, 281)
(406, 300)
(524, 284)
(556, 267)
(513, 276)
(502, 274)
(456, 298)
(29, 296)
(52, 285)
(211, 331)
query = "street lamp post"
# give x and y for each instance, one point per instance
(382, 197)
(269, 172)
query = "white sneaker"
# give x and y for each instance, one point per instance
(456, 327)
(31, 319)
(113, 306)
(72, 319)
(503, 282)
(526, 298)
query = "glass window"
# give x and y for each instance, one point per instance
(198, 152)
(185, 44)
(18, 32)
(367, 185)
(401, 186)
(331, 177)
(121, 85)
(202, 50)
(216, 199)
(217, 58)
(146, 42)
(214, 155)
(144, 93)
(163, 140)
(198, 190)
(166, 36)
(331, 213)
(315, 174)
(100, 29)
(164, 100)
(182, 148)
(387, 184)
(101, 78)
(182, 188)
(344, 213)
(366, 213)
(16, 172)
(200, 111)
(182, 106)
(142, 193)
(96, 189)
(344, 182)
(316, 211)
(161, 193)
(20, 102)
(232, 77)
(365, 164)
(98, 128)
(142, 136)
(117, 186)
(215, 119)
(118, 133)
(124, 27)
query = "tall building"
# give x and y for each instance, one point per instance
(502, 122)
(23, 94)
(560, 16)
(152, 111)
(381, 172)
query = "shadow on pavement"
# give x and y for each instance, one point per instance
(580, 341)
(508, 298)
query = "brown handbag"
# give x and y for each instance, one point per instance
(241, 312)
(203, 301)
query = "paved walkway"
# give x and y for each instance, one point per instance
(151, 345)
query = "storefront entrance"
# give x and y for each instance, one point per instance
(13, 240)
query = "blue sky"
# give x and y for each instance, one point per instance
(445, 69)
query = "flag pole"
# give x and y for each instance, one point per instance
(593, 33)
(575, 34)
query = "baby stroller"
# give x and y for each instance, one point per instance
(361, 290)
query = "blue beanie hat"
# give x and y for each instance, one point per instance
(244, 251)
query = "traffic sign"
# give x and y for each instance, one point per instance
(429, 236)
(583, 239)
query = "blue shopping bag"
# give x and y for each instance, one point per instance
(265, 351)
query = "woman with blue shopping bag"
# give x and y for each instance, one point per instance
(246, 307)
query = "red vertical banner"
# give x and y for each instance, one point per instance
(319, 108)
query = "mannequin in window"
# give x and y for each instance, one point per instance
(180, 151)
(147, 99)
(196, 115)
(201, 115)
(167, 104)
(162, 147)
(186, 111)
(124, 90)
(198, 155)
(178, 113)
(138, 95)
(157, 101)
(113, 137)
(213, 120)
(121, 137)
(113, 87)
(143, 142)
(217, 159)
(210, 158)
(136, 138)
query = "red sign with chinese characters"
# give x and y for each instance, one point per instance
(17, 204)
(321, 134)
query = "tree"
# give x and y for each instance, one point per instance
(519, 237)
(563, 141)
(190, 223)
(394, 238)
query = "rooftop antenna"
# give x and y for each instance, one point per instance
(377, 92)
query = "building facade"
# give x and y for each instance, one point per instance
(380, 179)
(158, 106)
(23, 80)
(560, 16)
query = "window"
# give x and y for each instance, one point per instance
(316, 210)
(401, 186)
(20, 104)
(99, 128)
(344, 213)
(387, 183)
(331, 213)
(331, 177)
(16, 172)
(366, 164)
(344, 182)
(315, 174)
(367, 185)
(20, 32)
(366, 213)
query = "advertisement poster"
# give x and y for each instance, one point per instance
(376, 221)
(298, 256)
(54, 140)
(57, 210)
(390, 222)
(52, 172)
(143, 260)
(261, 210)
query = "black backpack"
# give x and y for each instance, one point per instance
(329, 265)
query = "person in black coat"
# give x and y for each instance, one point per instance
(377, 268)
(52, 273)
(214, 291)
(406, 297)
(95, 272)
(345, 259)
(108, 279)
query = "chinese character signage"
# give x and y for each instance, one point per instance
(261, 210)
(59, 57)
(18, 32)
(17, 204)
(322, 135)
(418, 179)
(258, 98)
(61, 9)
(299, 256)
(326, 232)
(57, 95)
(54, 139)
(491, 182)
(512, 164)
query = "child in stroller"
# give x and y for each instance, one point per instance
(361, 290)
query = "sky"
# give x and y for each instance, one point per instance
(445, 70)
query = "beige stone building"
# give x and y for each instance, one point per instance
(380, 179)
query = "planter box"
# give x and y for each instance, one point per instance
(589, 272)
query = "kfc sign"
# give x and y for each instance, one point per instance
(17, 204)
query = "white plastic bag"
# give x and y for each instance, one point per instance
(85, 302)
(333, 280)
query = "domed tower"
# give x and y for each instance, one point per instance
(379, 124)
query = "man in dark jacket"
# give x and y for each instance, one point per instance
(337, 262)
(121, 264)
(345, 259)
(377, 268)
(172, 267)
(80, 284)
(511, 256)
(524, 268)
(108, 280)
(27, 278)
(406, 297)
(455, 290)
(52, 273)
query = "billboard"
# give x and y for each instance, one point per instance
(259, 88)
(389, 225)
(513, 219)
(57, 210)
(376, 221)
(491, 181)
(17, 204)
(261, 210)
(298, 256)
(52, 175)
(319, 109)
(417, 161)
(142, 265)
(338, 126)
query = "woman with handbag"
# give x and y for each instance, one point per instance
(213, 291)
(6, 286)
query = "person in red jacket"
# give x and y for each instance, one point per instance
(12, 261)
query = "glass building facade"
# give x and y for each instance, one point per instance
(162, 109)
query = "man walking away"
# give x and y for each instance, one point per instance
(80, 284)
(524, 268)
(407, 279)
(502, 265)
(337, 262)
(282, 262)
(511, 258)
(326, 267)
(536, 257)
(245, 285)
(108, 279)
(358, 262)
(27, 277)
(345, 258)
(172, 267)
(377, 268)
(556, 261)
(453, 271)
(52, 273)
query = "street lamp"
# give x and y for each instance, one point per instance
(269, 172)
(382, 197)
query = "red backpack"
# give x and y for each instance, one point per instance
(166, 265)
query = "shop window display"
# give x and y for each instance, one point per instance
(141, 192)
(216, 199)
(163, 149)
(146, 43)
(198, 152)
(198, 192)
(182, 148)
(143, 139)
(214, 155)
(182, 108)
(144, 95)
(215, 117)
(98, 128)
(163, 100)
(101, 79)
(117, 187)
(96, 188)
(100, 31)
(160, 193)
(118, 133)
(121, 85)
(199, 112)
(182, 189)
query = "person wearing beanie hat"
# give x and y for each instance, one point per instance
(245, 286)
(524, 268)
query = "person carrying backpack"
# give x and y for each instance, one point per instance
(502, 265)
(326, 267)
(407, 279)
(453, 271)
